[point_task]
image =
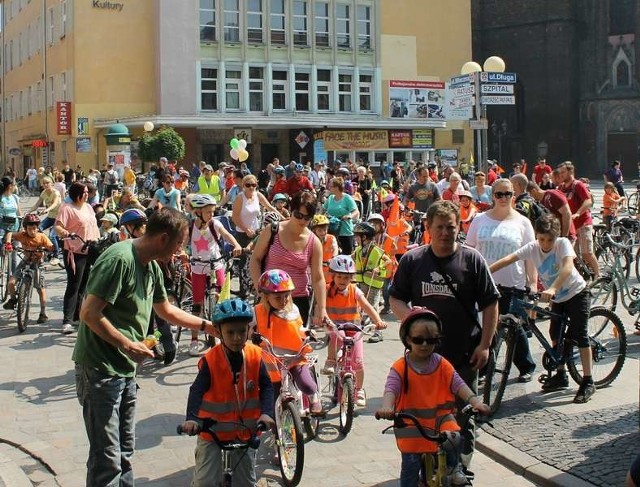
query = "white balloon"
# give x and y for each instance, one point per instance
(148, 126)
(243, 144)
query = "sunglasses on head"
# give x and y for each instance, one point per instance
(250, 185)
(301, 216)
(421, 340)
(501, 194)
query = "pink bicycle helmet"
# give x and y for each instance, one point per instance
(275, 281)
(389, 198)
(342, 264)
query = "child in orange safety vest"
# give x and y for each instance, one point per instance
(233, 388)
(344, 301)
(320, 226)
(468, 210)
(388, 245)
(279, 321)
(425, 384)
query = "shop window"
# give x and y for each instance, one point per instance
(302, 92)
(300, 22)
(254, 21)
(207, 20)
(277, 22)
(345, 82)
(280, 89)
(322, 24)
(364, 27)
(323, 87)
(366, 91)
(232, 86)
(232, 20)
(457, 136)
(256, 90)
(343, 25)
(208, 89)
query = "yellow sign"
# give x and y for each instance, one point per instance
(355, 140)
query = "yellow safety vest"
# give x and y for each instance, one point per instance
(373, 270)
(212, 188)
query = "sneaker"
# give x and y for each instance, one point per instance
(10, 304)
(361, 398)
(54, 262)
(315, 407)
(329, 367)
(42, 318)
(457, 476)
(585, 391)
(195, 350)
(556, 382)
(375, 338)
(67, 329)
(526, 377)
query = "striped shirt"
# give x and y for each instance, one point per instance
(296, 264)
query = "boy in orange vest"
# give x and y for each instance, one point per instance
(232, 387)
(344, 299)
(426, 384)
(320, 226)
(388, 245)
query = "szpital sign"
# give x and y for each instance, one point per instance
(107, 5)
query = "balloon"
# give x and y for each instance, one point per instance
(234, 153)
(243, 144)
(243, 156)
(234, 143)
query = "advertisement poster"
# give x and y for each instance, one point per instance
(417, 99)
(400, 139)
(448, 157)
(422, 139)
(319, 152)
(83, 144)
(348, 140)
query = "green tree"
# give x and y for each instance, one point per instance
(165, 142)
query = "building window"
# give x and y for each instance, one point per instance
(322, 24)
(622, 74)
(364, 27)
(280, 89)
(63, 86)
(9, 57)
(232, 20)
(300, 23)
(232, 86)
(302, 92)
(343, 26)
(50, 26)
(254, 21)
(366, 91)
(63, 18)
(207, 20)
(38, 97)
(345, 87)
(208, 89)
(457, 136)
(323, 87)
(277, 22)
(256, 90)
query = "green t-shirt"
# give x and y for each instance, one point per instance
(130, 289)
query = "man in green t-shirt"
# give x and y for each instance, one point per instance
(124, 285)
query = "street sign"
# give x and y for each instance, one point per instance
(497, 77)
(462, 79)
(498, 100)
(462, 91)
(463, 101)
(482, 124)
(496, 89)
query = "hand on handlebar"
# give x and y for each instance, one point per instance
(547, 295)
(385, 413)
(237, 251)
(190, 428)
(8, 247)
(381, 325)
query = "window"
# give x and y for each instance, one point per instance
(50, 26)
(20, 48)
(277, 22)
(208, 89)
(280, 89)
(622, 74)
(302, 92)
(30, 100)
(343, 31)
(207, 20)
(50, 92)
(254, 21)
(27, 41)
(366, 90)
(323, 87)
(63, 18)
(21, 104)
(300, 22)
(364, 27)
(63, 87)
(232, 87)
(9, 57)
(344, 92)
(256, 90)
(232, 20)
(457, 136)
(322, 24)
(38, 97)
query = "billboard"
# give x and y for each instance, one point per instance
(417, 99)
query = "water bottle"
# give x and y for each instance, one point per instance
(152, 340)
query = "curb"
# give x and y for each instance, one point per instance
(11, 475)
(525, 465)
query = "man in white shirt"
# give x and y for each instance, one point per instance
(317, 176)
(32, 178)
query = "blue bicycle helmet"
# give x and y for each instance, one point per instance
(232, 310)
(279, 170)
(299, 167)
(133, 216)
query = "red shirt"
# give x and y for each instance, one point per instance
(539, 171)
(553, 200)
(280, 186)
(576, 193)
(296, 185)
(491, 177)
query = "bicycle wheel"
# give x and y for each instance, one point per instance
(604, 292)
(608, 342)
(4, 274)
(637, 265)
(24, 302)
(633, 202)
(498, 367)
(290, 443)
(311, 423)
(185, 303)
(346, 400)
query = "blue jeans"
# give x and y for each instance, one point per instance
(48, 223)
(108, 407)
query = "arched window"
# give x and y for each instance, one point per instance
(622, 74)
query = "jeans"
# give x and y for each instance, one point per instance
(76, 283)
(48, 223)
(522, 358)
(108, 408)
(385, 292)
(412, 464)
(208, 470)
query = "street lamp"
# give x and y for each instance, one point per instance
(499, 130)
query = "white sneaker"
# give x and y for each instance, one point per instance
(195, 349)
(361, 398)
(457, 476)
(55, 261)
(67, 329)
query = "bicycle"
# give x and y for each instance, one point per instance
(342, 380)
(209, 424)
(607, 340)
(434, 472)
(27, 275)
(292, 410)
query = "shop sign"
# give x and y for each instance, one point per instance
(354, 140)
(417, 99)
(399, 139)
(302, 139)
(63, 116)
(319, 151)
(39, 143)
(241, 133)
(15, 151)
(83, 144)
(83, 125)
(422, 139)
(107, 5)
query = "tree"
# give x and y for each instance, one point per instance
(166, 142)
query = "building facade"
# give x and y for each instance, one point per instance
(298, 79)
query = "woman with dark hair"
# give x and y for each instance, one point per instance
(78, 218)
(296, 250)
(9, 213)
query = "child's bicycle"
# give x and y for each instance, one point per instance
(342, 382)
(292, 410)
(208, 426)
(433, 471)
(26, 276)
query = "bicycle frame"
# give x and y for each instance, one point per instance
(617, 275)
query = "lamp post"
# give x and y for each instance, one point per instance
(493, 64)
(499, 130)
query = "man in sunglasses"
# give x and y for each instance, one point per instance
(454, 281)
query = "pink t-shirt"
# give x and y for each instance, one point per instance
(79, 221)
(293, 263)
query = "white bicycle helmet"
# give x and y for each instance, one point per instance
(202, 200)
(271, 217)
(342, 264)
(375, 217)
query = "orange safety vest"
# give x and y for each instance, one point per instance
(403, 240)
(228, 403)
(429, 398)
(285, 337)
(426, 237)
(388, 246)
(343, 308)
(327, 255)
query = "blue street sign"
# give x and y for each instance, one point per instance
(491, 77)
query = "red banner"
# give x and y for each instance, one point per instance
(399, 139)
(63, 116)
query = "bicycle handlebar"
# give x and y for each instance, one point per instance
(611, 241)
(349, 326)
(208, 423)
(258, 339)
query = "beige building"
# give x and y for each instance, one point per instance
(298, 79)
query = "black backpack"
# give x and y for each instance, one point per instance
(528, 207)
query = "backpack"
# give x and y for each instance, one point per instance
(528, 207)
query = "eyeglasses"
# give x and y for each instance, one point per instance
(505, 194)
(301, 216)
(250, 185)
(421, 340)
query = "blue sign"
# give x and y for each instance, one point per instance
(319, 153)
(492, 77)
(462, 79)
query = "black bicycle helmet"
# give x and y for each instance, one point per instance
(365, 229)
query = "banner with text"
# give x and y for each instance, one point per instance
(347, 140)
(417, 99)
(63, 117)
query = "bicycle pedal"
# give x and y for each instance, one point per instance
(543, 378)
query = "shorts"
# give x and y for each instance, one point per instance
(38, 277)
(584, 241)
(578, 310)
(199, 284)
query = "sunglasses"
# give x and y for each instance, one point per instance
(302, 216)
(250, 185)
(500, 194)
(421, 340)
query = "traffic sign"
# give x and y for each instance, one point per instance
(462, 79)
(463, 90)
(482, 124)
(463, 101)
(497, 77)
(496, 89)
(498, 100)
